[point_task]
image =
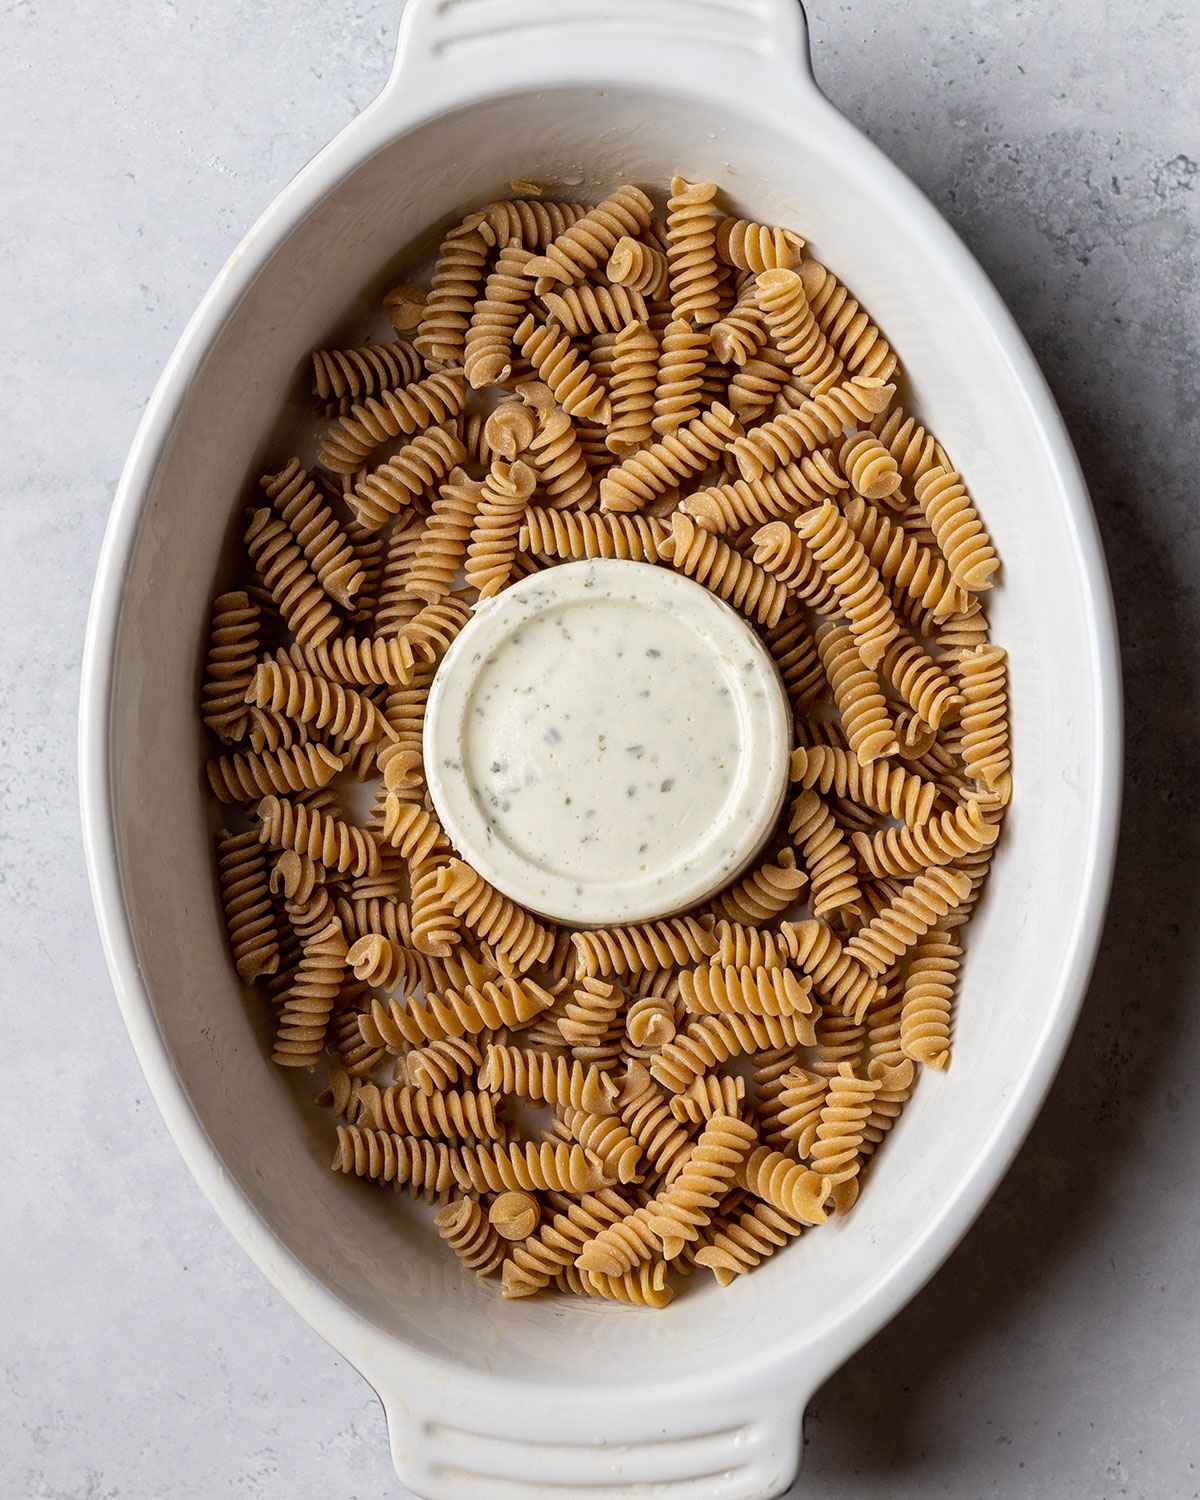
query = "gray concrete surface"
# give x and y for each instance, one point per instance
(1056, 1354)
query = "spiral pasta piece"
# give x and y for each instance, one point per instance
(406, 477)
(633, 389)
(493, 543)
(758, 247)
(558, 459)
(532, 221)
(395, 606)
(679, 1213)
(441, 546)
(547, 1078)
(576, 534)
(457, 278)
(765, 892)
(788, 559)
(743, 1240)
(983, 679)
(741, 333)
(645, 1109)
(920, 681)
(325, 546)
(435, 928)
(433, 1068)
(405, 1110)
(692, 218)
(590, 1010)
(645, 945)
(639, 266)
(246, 778)
(730, 575)
(385, 964)
(960, 533)
(609, 1140)
(246, 902)
(342, 377)
(711, 1040)
(679, 382)
(291, 583)
(317, 702)
(857, 694)
(487, 349)
(861, 346)
(650, 1021)
(564, 369)
(859, 590)
(304, 1016)
(815, 423)
(587, 244)
(588, 308)
(535, 1263)
(827, 856)
(838, 978)
(335, 844)
(785, 1184)
(869, 466)
(464, 1227)
(917, 577)
(742, 946)
(794, 330)
(232, 647)
(801, 1100)
(887, 790)
(406, 1161)
(839, 1135)
(914, 450)
(919, 907)
(927, 997)
(782, 495)
(655, 470)
(514, 934)
(710, 1094)
(714, 989)
(434, 401)
(794, 653)
(468, 1011)
(502, 1167)
(645, 1286)
(412, 829)
(944, 840)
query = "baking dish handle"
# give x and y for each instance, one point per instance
(454, 51)
(735, 1445)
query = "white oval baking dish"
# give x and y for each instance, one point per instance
(554, 1397)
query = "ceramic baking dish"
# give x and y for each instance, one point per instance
(555, 1396)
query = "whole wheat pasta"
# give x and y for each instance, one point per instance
(729, 574)
(510, 427)
(926, 999)
(650, 1021)
(493, 917)
(246, 901)
(785, 1184)
(794, 652)
(608, 1139)
(801, 1100)
(710, 1040)
(590, 1007)
(514, 1215)
(739, 335)
(710, 1094)
(857, 694)
(299, 503)
(564, 533)
(943, 840)
(919, 907)
(860, 593)
(534, 222)
(654, 470)
(441, 546)
(858, 342)
(633, 389)
(839, 979)
(839, 1135)
(317, 702)
(497, 1167)
(246, 778)
(920, 681)
(648, 945)
(457, 278)
(547, 1078)
(404, 305)
(293, 586)
(404, 1110)
(558, 460)
(682, 363)
(493, 542)
(779, 551)
(396, 606)
(983, 677)
(960, 533)
(466, 1012)
(564, 369)
(645, 1286)
(338, 845)
(768, 890)
(407, 477)
(304, 1016)
(781, 495)
(743, 946)
(232, 648)
(713, 989)
(587, 244)
(757, 247)
(639, 266)
(913, 448)
(869, 466)
(680, 1212)
(433, 1068)
(487, 347)
(588, 308)
(343, 376)
(885, 789)
(814, 424)
(692, 219)
(826, 854)
(794, 330)
(918, 578)
(434, 401)
(435, 928)
(420, 1165)
(465, 1228)
(554, 1246)
(744, 1239)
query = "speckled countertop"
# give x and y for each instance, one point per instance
(1056, 1354)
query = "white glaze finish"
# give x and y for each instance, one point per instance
(395, 1315)
(607, 742)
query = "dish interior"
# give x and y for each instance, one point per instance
(321, 288)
